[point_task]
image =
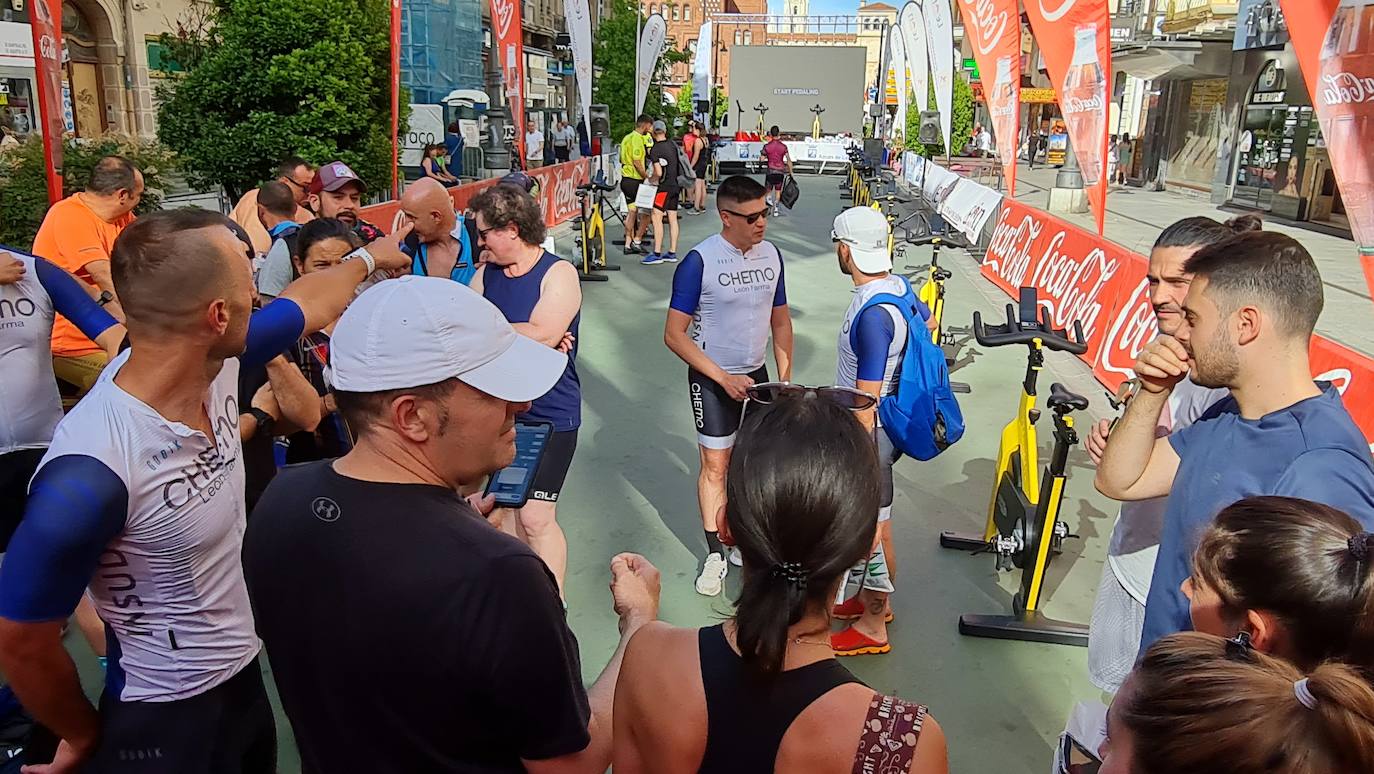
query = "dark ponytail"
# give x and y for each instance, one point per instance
(1199, 231)
(802, 506)
(1309, 565)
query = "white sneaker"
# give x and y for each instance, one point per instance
(712, 575)
(735, 558)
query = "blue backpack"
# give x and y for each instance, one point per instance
(920, 416)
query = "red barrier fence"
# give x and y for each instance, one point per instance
(1081, 276)
(557, 195)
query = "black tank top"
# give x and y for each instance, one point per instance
(747, 713)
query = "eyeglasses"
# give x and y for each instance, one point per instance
(845, 397)
(482, 232)
(297, 183)
(750, 219)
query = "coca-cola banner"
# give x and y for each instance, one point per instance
(557, 195)
(46, 28)
(994, 31)
(1334, 43)
(510, 48)
(1075, 40)
(1081, 276)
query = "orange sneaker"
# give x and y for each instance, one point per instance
(852, 642)
(851, 609)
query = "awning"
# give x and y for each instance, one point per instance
(1173, 59)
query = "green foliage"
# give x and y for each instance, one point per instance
(613, 50)
(961, 123)
(685, 106)
(267, 79)
(24, 189)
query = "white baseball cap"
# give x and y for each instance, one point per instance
(865, 230)
(413, 331)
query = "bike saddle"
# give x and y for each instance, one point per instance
(942, 274)
(585, 187)
(1060, 397)
(926, 239)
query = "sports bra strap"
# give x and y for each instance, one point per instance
(891, 732)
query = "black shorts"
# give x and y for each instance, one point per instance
(666, 201)
(229, 728)
(773, 180)
(887, 457)
(553, 466)
(718, 416)
(16, 469)
(630, 187)
(699, 169)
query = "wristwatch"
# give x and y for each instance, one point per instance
(361, 254)
(265, 420)
(105, 298)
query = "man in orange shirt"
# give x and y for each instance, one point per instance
(297, 175)
(77, 234)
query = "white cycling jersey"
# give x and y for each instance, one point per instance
(731, 296)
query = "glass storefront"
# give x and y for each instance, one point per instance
(18, 111)
(1193, 151)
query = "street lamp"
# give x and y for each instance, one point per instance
(816, 125)
(762, 111)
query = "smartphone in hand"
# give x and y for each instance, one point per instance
(511, 485)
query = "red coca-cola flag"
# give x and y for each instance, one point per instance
(994, 30)
(1075, 38)
(395, 99)
(46, 26)
(1334, 42)
(510, 48)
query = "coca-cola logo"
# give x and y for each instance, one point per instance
(1076, 104)
(988, 22)
(1134, 326)
(1009, 252)
(1056, 13)
(1345, 88)
(1073, 285)
(563, 193)
(1340, 378)
(504, 11)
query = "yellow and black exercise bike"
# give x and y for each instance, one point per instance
(1024, 530)
(591, 231)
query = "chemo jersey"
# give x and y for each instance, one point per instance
(30, 405)
(149, 513)
(731, 296)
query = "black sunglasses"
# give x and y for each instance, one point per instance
(482, 232)
(750, 219)
(845, 397)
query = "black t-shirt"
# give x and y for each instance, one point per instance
(405, 633)
(666, 150)
(259, 465)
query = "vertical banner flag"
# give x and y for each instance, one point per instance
(46, 27)
(1075, 40)
(651, 42)
(899, 69)
(395, 99)
(1335, 48)
(994, 31)
(510, 48)
(701, 68)
(914, 34)
(940, 44)
(579, 19)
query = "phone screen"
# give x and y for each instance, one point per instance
(511, 484)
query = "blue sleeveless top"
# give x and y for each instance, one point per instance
(516, 297)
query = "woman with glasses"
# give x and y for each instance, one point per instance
(763, 692)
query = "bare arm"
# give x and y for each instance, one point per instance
(42, 673)
(111, 339)
(300, 406)
(675, 336)
(781, 321)
(323, 295)
(560, 298)
(869, 416)
(1136, 465)
(100, 273)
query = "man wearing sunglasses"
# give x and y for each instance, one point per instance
(871, 344)
(728, 299)
(295, 174)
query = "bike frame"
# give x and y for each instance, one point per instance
(1018, 445)
(1047, 512)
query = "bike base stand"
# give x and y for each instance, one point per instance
(591, 277)
(605, 267)
(963, 541)
(1027, 627)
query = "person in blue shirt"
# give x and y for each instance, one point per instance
(453, 148)
(439, 245)
(1248, 319)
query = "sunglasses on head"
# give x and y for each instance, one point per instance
(845, 397)
(751, 219)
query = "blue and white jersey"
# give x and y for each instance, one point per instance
(731, 296)
(881, 337)
(150, 513)
(30, 406)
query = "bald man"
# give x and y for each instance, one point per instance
(439, 246)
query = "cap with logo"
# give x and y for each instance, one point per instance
(865, 230)
(414, 331)
(333, 176)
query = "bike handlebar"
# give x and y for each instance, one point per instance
(1022, 331)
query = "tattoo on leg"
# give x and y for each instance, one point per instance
(877, 603)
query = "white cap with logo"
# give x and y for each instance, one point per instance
(414, 331)
(865, 230)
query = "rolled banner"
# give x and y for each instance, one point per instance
(917, 59)
(899, 69)
(505, 28)
(580, 32)
(1075, 38)
(994, 32)
(701, 66)
(652, 40)
(940, 45)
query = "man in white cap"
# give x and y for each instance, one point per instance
(872, 340)
(451, 633)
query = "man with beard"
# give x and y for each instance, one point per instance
(1248, 319)
(336, 192)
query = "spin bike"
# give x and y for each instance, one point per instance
(591, 231)
(1024, 530)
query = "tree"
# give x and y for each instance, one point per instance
(686, 108)
(267, 79)
(613, 50)
(961, 121)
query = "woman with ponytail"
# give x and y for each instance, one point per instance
(763, 691)
(1297, 577)
(1200, 704)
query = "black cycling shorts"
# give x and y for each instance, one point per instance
(666, 201)
(229, 728)
(553, 466)
(630, 187)
(773, 180)
(887, 457)
(718, 416)
(16, 469)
